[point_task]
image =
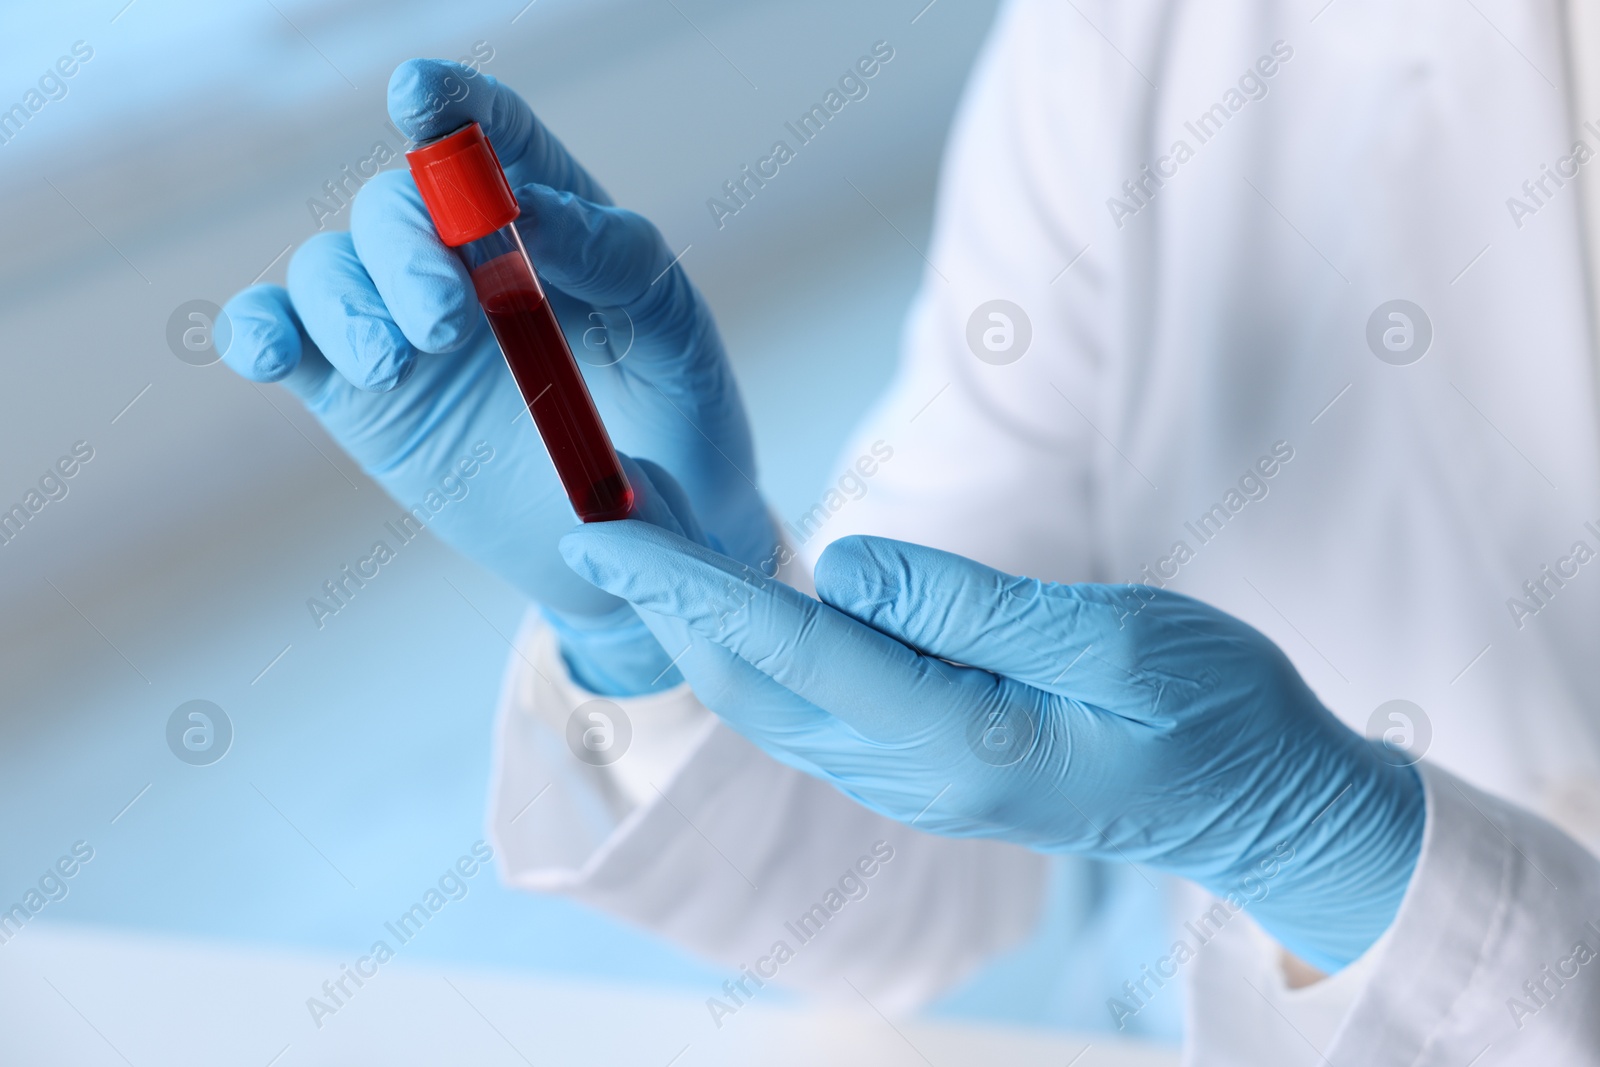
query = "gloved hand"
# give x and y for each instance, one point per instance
(1120, 722)
(380, 335)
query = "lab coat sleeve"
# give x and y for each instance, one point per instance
(1493, 959)
(989, 441)
(701, 838)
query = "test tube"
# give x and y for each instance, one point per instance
(472, 207)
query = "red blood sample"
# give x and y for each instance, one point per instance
(557, 398)
(473, 209)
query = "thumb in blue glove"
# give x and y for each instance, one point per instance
(1120, 722)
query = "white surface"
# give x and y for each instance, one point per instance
(87, 997)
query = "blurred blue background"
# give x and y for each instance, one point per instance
(177, 167)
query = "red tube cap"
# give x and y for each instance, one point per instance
(461, 181)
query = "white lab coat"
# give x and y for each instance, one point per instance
(1175, 342)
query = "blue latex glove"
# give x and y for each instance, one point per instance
(380, 335)
(1119, 722)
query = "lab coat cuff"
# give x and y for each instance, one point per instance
(555, 800)
(1474, 959)
(1448, 919)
